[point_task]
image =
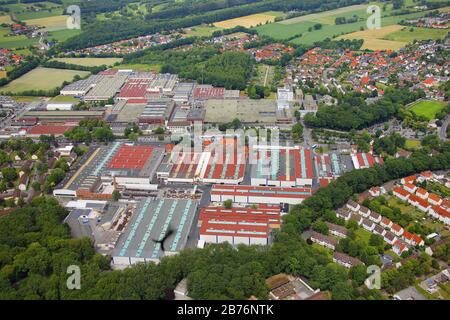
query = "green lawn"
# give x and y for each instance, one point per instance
(41, 79)
(63, 35)
(428, 109)
(140, 67)
(201, 31)
(363, 235)
(412, 144)
(64, 99)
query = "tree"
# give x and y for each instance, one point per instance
(297, 131)
(342, 291)
(116, 195)
(9, 174)
(228, 203)
(159, 130)
(358, 274)
(320, 227)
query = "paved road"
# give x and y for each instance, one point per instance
(443, 130)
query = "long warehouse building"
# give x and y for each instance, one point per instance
(259, 194)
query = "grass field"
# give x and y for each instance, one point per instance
(405, 35)
(248, 21)
(16, 42)
(265, 75)
(328, 17)
(90, 62)
(64, 99)
(39, 14)
(201, 31)
(412, 144)
(64, 34)
(428, 109)
(5, 19)
(41, 79)
(50, 23)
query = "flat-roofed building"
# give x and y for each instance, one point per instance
(62, 116)
(106, 88)
(157, 112)
(281, 166)
(153, 219)
(239, 225)
(258, 194)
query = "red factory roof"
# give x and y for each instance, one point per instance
(135, 88)
(208, 93)
(263, 214)
(50, 129)
(131, 157)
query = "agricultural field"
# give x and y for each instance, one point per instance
(50, 23)
(376, 39)
(62, 35)
(5, 19)
(407, 34)
(248, 21)
(41, 79)
(428, 109)
(90, 62)
(16, 41)
(303, 27)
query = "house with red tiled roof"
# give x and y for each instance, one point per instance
(440, 213)
(399, 247)
(410, 187)
(422, 193)
(409, 179)
(401, 193)
(434, 199)
(396, 229)
(386, 223)
(419, 203)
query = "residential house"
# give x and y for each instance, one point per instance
(409, 179)
(397, 230)
(377, 191)
(379, 230)
(389, 237)
(399, 247)
(357, 218)
(440, 213)
(344, 213)
(401, 193)
(352, 205)
(323, 240)
(434, 199)
(386, 223)
(412, 239)
(365, 212)
(345, 260)
(422, 193)
(368, 225)
(337, 230)
(410, 187)
(375, 217)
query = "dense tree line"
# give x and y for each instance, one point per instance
(353, 113)
(90, 130)
(70, 66)
(20, 70)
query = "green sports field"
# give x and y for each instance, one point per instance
(41, 79)
(427, 108)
